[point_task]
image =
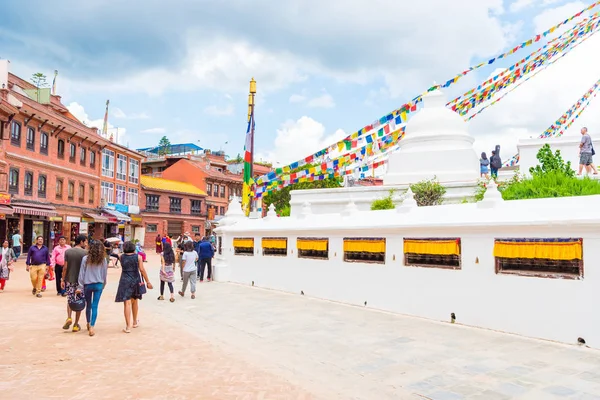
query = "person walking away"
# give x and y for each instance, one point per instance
(484, 166)
(197, 242)
(58, 263)
(130, 287)
(190, 273)
(6, 261)
(495, 162)
(17, 244)
(586, 152)
(158, 244)
(38, 262)
(207, 252)
(167, 272)
(70, 278)
(92, 281)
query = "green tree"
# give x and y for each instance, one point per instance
(163, 146)
(39, 80)
(281, 198)
(551, 162)
(428, 192)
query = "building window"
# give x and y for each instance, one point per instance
(92, 159)
(82, 192)
(134, 171)
(175, 205)
(274, 246)
(152, 202)
(196, 207)
(15, 133)
(209, 189)
(82, 155)
(152, 228)
(121, 167)
(44, 143)
(195, 229)
(71, 190)
(221, 210)
(59, 188)
(216, 192)
(120, 194)
(107, 191)
(72, 152)
(28, 183)
(42, 186)
(243, 246)
(61, 149)
(30, 142)
(432, 252)
(223, 191)
(13, 181)
(108, 163)
(133, 197)
(313, 248)
(367, 250)
(543, 258)
(91, 194)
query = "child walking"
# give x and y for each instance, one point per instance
(167, 271)
(190, 272)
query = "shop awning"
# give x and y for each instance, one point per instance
(118, 215)
(97, 218)
(6, 210)
(41, 210)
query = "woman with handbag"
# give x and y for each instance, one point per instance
(131, 285)
(8, 257)
(167, 271)
(92, 280)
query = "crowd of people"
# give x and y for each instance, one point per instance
(81, 272)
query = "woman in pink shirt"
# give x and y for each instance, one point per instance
(58, 262)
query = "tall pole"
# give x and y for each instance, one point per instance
(251, 104)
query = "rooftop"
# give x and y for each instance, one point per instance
(179, 148)
(167, 185)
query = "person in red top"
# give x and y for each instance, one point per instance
(57, 259)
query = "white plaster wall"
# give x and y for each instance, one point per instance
(554, 309)
(568, 146)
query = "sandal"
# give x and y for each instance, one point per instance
(181, 293)
(193, 296)
(172, 300)
(136, 324)
(160, 298)
(76, 328)
(92, 333)
(67, 324)
(126, 330)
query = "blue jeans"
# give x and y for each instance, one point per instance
(92, 293)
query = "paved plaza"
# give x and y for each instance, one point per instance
(237, 342)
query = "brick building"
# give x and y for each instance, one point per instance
(53, 167)
(171, 207)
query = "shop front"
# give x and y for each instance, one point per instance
(117, 213)
(56, 231)
(73, 228)
(33, 221)
(93, 225)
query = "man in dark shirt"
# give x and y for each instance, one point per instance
(70, 278)
(38, 262)
(206, 254)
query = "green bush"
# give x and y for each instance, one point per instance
(285, 211)
(386, 203)
(550, 184)
(428, 192)
(551, 162)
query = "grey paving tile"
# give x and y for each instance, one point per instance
(445, 396)
(560, 391)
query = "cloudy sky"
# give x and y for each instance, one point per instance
(324, 67)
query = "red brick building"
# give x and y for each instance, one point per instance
(171, 207)
(53, 167)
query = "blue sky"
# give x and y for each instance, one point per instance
(324, 68)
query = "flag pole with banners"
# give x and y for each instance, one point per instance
(249, 153)
(54, 82)
(105, 126)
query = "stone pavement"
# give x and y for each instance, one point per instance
(237, 342)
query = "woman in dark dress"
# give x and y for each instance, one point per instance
(129, 284)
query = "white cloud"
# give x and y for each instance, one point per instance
(297, 98)
(219, 111)
(297, 139)
(79, 112)
(154, 130)
(118, 113)
(323, 101)
(519, 5)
